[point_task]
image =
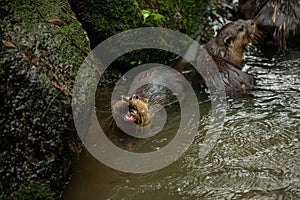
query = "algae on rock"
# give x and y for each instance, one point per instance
(39, 144)
(103, 19)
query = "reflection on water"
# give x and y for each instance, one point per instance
(256, 157)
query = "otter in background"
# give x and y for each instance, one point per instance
(226, 49)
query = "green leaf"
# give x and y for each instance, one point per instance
(149, 24)
(158, 16)
(132, 62)
(146, 13)
(149, 17)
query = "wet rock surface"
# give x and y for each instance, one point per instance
(42, 47)
(103, 19)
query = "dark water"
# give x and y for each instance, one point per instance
(256, 156)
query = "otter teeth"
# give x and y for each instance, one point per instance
(133, 112)
(131, 115)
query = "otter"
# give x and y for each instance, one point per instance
(146, 99)
(134, 108)
(226, 50)
(279, 20)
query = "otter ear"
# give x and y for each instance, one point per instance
(228, 40)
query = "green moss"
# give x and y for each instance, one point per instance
(103, 19)
(35, 191)
(39, 144)
(31, 191)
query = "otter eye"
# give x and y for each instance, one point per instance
(134, 97)
(241, 28)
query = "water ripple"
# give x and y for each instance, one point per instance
(256, 156)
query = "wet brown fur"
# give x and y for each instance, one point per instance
(150, 95)
(230, 41)
(226, 49)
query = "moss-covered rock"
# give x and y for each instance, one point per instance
(42, 47)
(103, 19)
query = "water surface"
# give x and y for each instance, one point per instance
(256, 156)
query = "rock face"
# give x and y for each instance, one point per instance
(42, 47)
(103, 19)
(278, 20)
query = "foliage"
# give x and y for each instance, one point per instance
(149, 18)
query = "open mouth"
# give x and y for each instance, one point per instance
(132, 114)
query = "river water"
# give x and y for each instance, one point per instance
(256, 156)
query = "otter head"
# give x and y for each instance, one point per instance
(232, 38)
(138, 110)
(134, 108)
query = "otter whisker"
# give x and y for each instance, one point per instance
(109, 122)
(259, 37)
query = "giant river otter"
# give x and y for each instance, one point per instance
(168, 87)
(226, 49)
